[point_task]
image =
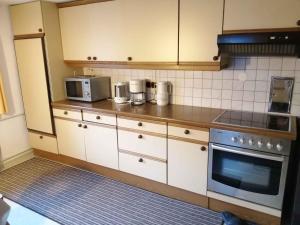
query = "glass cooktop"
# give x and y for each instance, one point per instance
(255, 120)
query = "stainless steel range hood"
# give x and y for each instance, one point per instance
(260, 44)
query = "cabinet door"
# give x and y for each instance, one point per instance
(200, 23)
(70, 138)
(260, 14)
(32, 74)
(101, 145)
(27, 18)
(76, 31)
(187, 166)
(151, 30)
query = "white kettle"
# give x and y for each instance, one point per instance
(163, 92)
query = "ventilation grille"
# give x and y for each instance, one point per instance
(260, 49)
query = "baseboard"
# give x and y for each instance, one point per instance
(17, 159)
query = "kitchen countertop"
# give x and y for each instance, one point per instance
(180, 114)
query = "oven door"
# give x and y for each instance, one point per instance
(246, 174)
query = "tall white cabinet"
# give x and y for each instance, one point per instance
(33, 80)
(40, 61)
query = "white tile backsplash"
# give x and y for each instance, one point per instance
(244, 85)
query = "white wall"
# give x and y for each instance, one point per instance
(13, 132)
(244, 85)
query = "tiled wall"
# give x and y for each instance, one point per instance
(244, 85)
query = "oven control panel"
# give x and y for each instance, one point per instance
(251, 141)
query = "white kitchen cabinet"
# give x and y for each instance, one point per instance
(32, 73)
(27, 18)
(101, 145)
(70, 138)
(200, 23)
(116, 30)
(261, 14)
(187, 166)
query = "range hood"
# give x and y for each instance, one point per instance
(260, 44)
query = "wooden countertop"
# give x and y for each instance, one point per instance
(185, 115)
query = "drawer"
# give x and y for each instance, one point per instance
(155, 127)
(188, 132)
(144, 144)
(43, 142)
(65, 113)
(143, 167)
(109, 119)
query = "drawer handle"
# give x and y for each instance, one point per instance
(80, 125)
(41, 137)
(66, 112)
(85, 126)
(141, 160)
(203, 148)
(140, 124)
(98, 117)
(186, 132)
(140, 136)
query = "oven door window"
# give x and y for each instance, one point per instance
(248, 173)
(74, 89)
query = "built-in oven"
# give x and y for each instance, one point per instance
(245, 173)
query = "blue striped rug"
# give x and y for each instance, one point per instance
(75, 197)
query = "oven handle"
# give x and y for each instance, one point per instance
(263, 156)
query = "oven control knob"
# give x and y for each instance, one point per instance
(269, 145)
(234, 139)
(242, 140)
(87, 93)
(279, 147)
(251, 142)
(259, 144)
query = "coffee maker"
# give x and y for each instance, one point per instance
(137, 89)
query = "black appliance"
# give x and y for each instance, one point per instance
(260, 44)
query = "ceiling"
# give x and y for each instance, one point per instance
(10, 2)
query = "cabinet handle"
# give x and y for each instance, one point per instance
(80, 125)
(186, 132)
(203, 148)
(140, 124)
(140, 136)
(98, 117)
(89, 58)
(41, 137)
(215, 58)
(129, 58)
(66, 112)
(94, 58)
(141, 160)
(85, 126)
(40, 30)
(298, 22)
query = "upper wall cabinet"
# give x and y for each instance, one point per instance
(200, 23)
(121, 30)
(261, 14)
(27, 18)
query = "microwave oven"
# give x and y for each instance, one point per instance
(87, 88)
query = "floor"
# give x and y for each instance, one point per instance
(19, 214)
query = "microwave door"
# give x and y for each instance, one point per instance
(74, 89)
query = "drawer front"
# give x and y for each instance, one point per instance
(43, 142)
(160, 128)
(99, 118)
(189, 133)
(143, 144)
(143, 167)
(65, 113)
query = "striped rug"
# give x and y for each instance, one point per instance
(75, 197)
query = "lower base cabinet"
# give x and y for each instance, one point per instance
(95, 143)
(101, 145)
(144, 167)
(187, 166)
(70, 138)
